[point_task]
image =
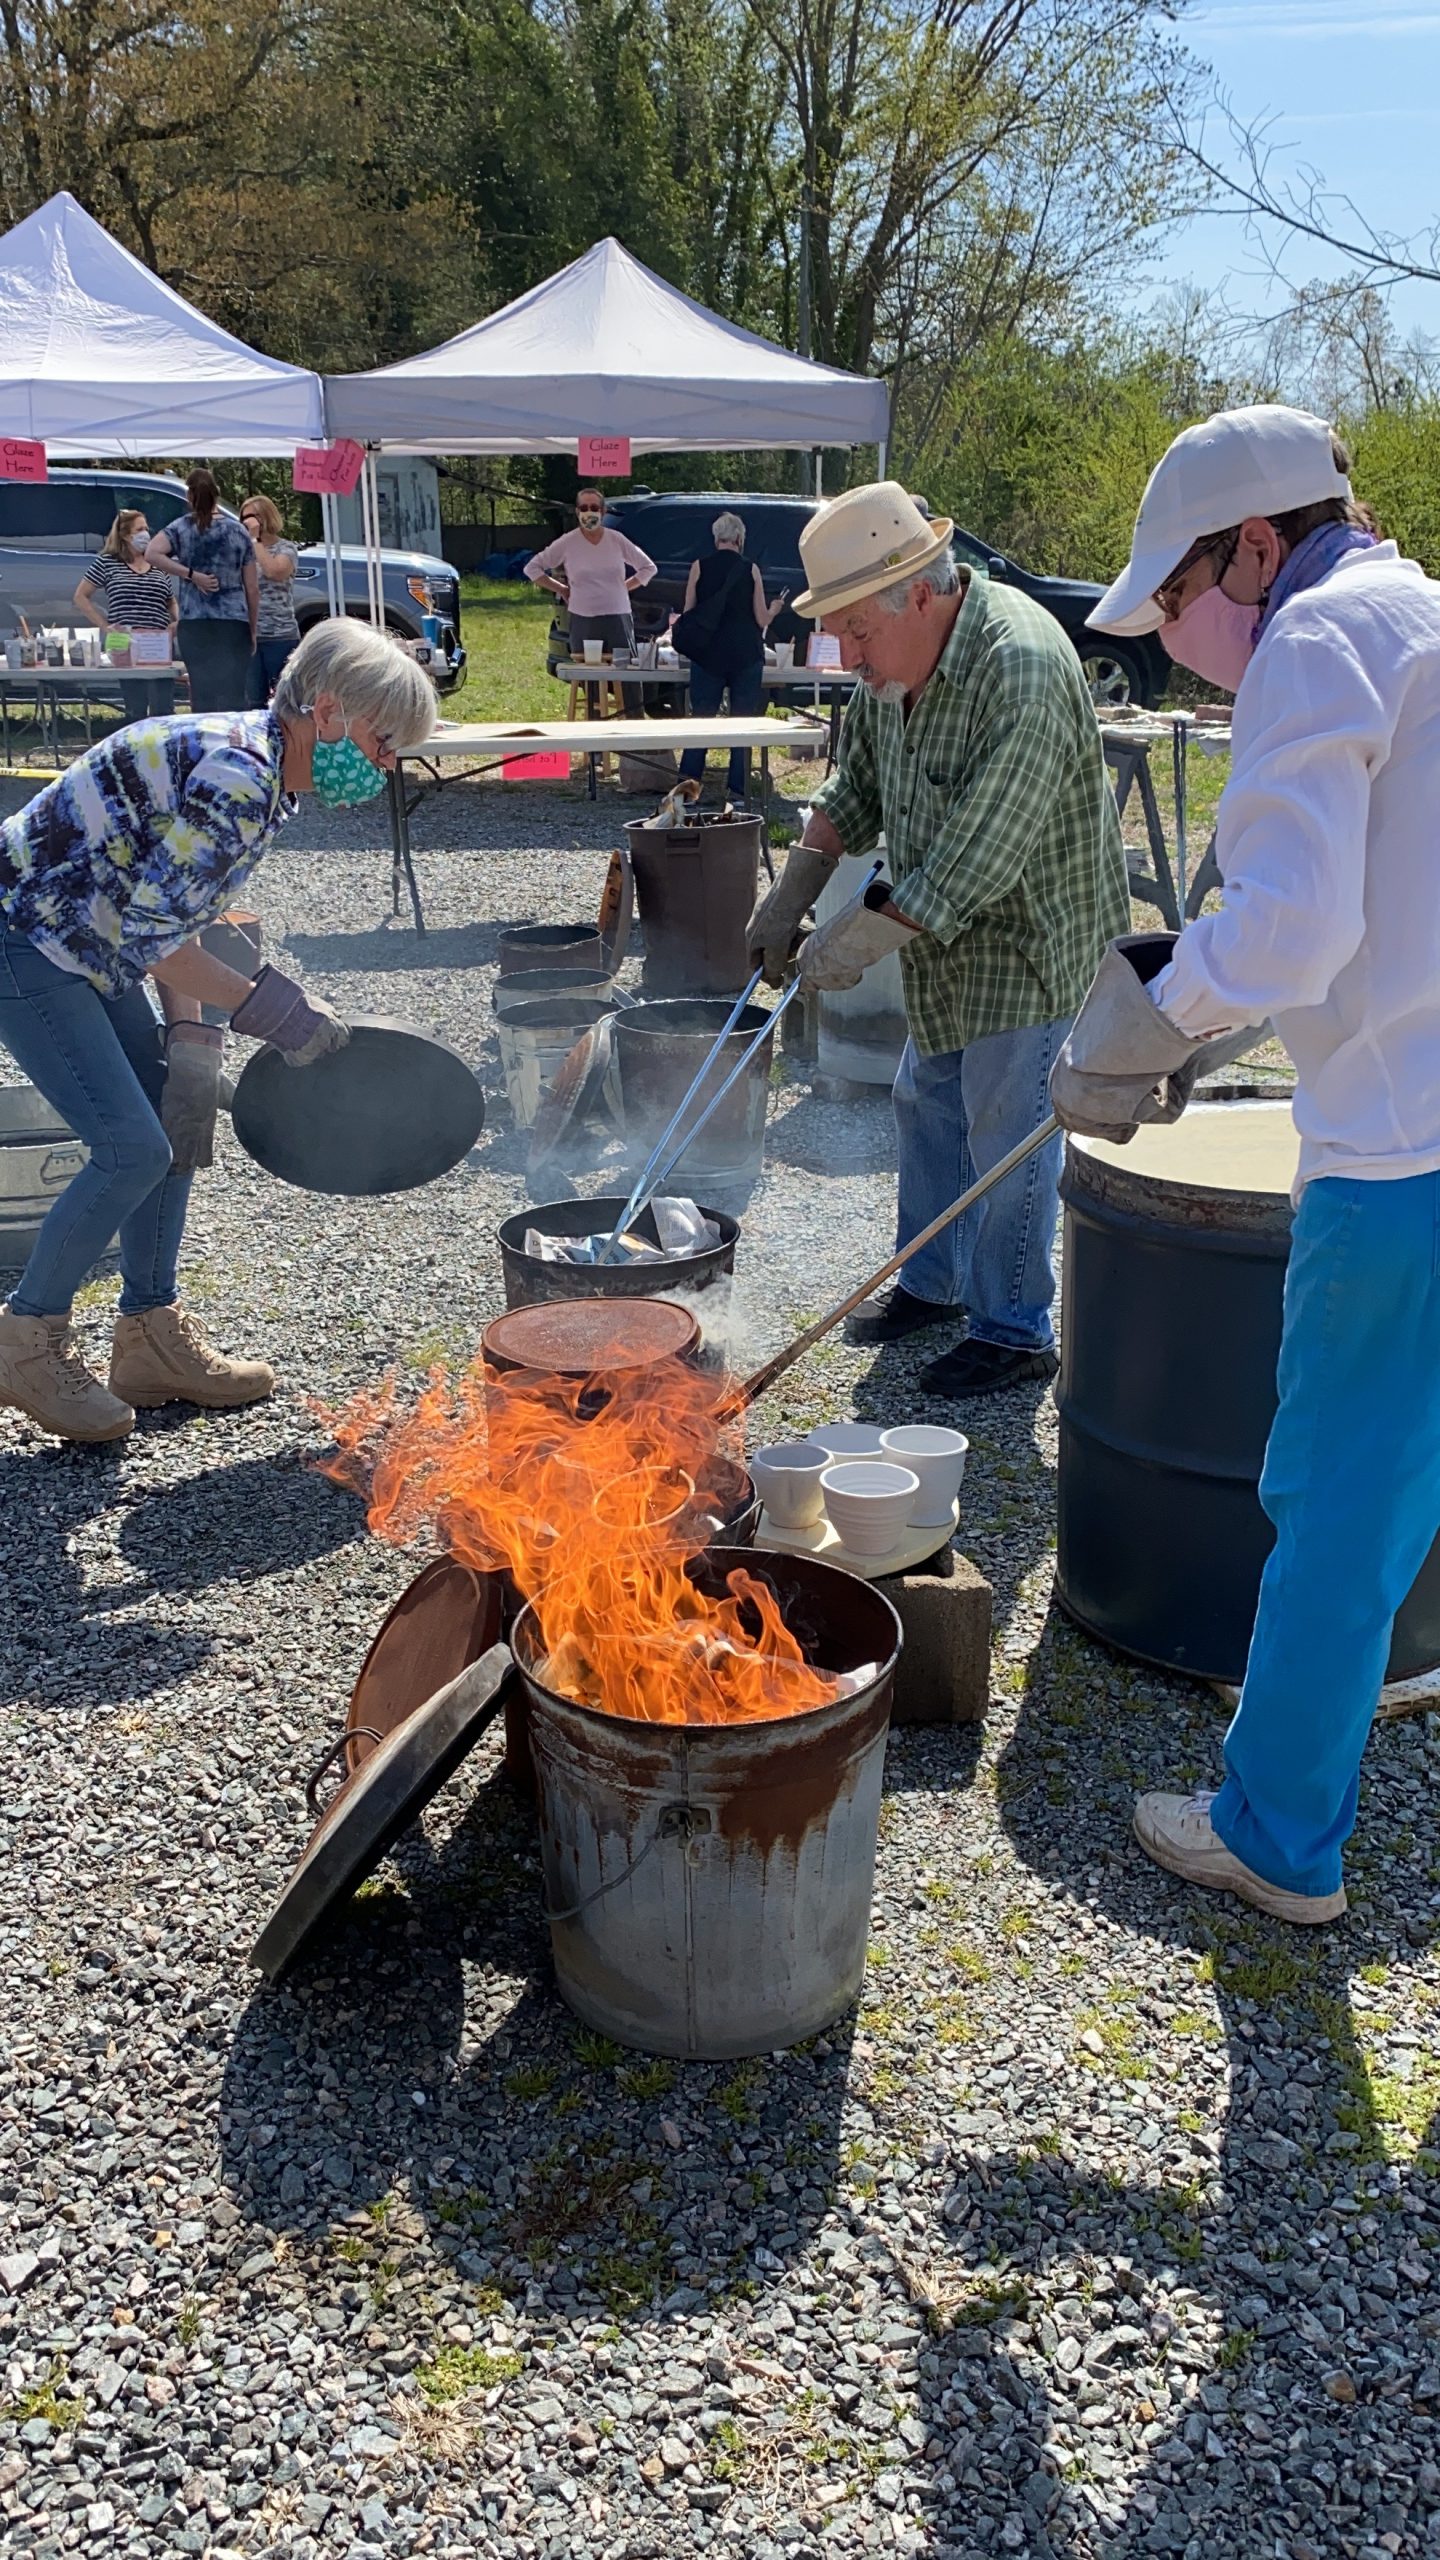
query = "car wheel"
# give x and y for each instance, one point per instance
(1114, 676)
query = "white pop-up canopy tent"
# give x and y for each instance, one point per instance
(605, 348)
(98, 357)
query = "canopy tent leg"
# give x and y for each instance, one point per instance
(334, 571)
(370, 523)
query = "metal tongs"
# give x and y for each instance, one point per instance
(658, 1165)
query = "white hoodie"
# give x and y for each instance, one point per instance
(1328, 840)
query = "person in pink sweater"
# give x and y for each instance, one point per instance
(594, 571)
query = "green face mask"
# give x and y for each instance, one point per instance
(342, 773)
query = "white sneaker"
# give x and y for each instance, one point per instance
(1177, 1832)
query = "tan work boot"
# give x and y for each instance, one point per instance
(163, 1357)
(43, 1375)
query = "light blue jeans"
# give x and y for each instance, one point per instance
(955, 1116)
(101, 1065)
(1352, 1485)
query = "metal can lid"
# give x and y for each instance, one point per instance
(590, 1337)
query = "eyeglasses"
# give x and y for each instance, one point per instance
(1210, 547)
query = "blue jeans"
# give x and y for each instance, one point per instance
(955, 1116)
(1352, 1485)
(100, 1064)
(747, 698)
(265, 666)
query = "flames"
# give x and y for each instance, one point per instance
(592, 1498)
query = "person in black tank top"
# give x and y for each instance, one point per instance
(725, 621)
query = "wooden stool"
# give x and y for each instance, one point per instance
(611, 701)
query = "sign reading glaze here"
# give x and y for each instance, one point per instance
(604, 457)
(22, 458)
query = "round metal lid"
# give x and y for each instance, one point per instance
(590, 1337)
(442, 1622)
(391, 1110)
(368, 1815)
(574, 1092)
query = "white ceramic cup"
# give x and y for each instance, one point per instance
(594, 651)
(787, 1479)
(868, 1502)
(847, 1439)
(938, 1459)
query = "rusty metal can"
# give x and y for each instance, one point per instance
(708, 1886)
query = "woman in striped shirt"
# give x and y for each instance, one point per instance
(121, 592)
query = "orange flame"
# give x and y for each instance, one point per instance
(593, 1513)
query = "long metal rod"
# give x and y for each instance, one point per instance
(608, 1250)
(756, 1385)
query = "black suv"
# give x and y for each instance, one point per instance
(676, 530)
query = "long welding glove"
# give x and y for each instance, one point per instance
(838, 954)
(774, 927)
(1124, 1063)
(279, 1011)
(191, 1096)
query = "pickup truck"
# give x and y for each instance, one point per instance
(49, 530)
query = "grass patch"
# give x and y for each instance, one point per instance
(1115, 2038)
(647, 2079)
(535, 2081)
(457, 2373)
(48, 2399)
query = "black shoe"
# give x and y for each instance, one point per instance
(890, 1318)
(979, 1368)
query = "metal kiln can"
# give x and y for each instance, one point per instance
(709, 1885)
(1173, 1303)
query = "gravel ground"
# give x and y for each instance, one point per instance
(1106, 2227)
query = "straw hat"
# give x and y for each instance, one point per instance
(868, 539)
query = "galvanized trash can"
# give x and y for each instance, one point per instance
(39, 1155)
(709, 1885)
(658, 1049)
(535, 1040)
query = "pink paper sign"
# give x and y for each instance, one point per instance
(605, 457)
(328, 470)
(22, 458)
(545, 768)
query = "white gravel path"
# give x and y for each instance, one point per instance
(1107, 2227)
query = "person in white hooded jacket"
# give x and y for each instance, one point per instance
(1258, 570)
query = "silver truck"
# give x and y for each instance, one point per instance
(49, 529)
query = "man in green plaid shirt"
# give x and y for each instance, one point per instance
(972, 746)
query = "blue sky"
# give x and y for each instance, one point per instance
(1354, 93)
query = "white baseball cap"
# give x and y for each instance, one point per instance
(1242, 462)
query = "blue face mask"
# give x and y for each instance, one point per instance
(342, 774)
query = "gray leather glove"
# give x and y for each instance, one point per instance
(278, 1011)
(838, 954)
(192, 1094)
(771, 934)
(1123, 1063)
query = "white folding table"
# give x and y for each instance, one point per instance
(476, 747)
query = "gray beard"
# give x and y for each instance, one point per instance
(892, 693)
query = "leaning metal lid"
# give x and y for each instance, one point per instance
(590, 1337)
(378, 1803)
(442, 1622)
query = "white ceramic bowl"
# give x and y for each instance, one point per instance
(787, 1479)
(847, 1439)
(868, 1503)
(938, 1459)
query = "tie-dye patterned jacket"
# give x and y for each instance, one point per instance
(142, 841)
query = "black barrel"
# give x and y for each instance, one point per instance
(1173, 1306)
(695, 887)
(528, 1279)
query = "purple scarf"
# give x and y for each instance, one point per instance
(1309, 562)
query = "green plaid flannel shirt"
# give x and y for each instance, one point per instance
(999, 823)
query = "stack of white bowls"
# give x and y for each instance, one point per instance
(875, 1487)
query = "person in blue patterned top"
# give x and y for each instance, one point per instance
(106, 878)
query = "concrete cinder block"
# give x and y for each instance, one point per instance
(945, 1610)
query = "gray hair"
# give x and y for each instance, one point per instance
(729, 528)
(943, 576)
(371, 676)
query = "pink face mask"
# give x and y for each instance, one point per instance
(1214, 637)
